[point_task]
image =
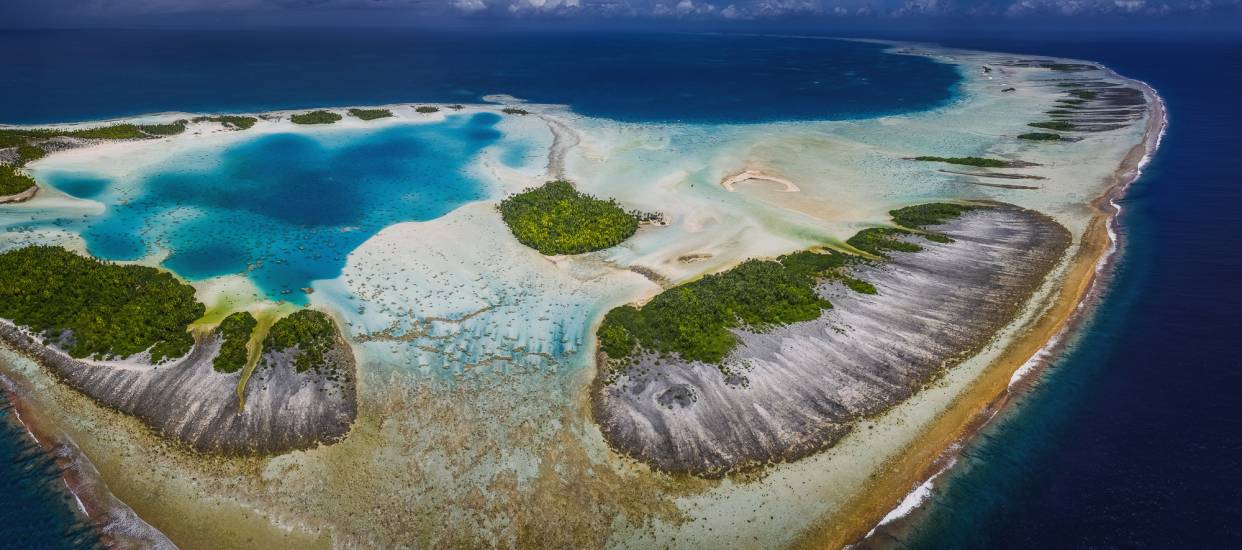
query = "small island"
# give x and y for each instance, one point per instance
(315, 117)
(121, 334)
(556, 219)
(370, 114)
(979, 162)
(230, 121)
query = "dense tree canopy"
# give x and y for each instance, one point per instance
(557, 219)
(12, 181)
(370, 114)
(315, 117)
(234, 332)
(97, 309)
(309, 332)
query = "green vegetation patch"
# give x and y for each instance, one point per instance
(426, 109)
(27, 153)
(235, 331)
(315, 117)
(972, 161)
(1041, 136)
(309, 332)
(514, 111)
(16, 137)
(694, 320)
(170, 129)
(235, 122)
(1052, 125)
(923, 215)
(13, 181)
(1059, 112)
(557, 219)
(370, 114)
(1071, 102)
(97, 309)
(878, 240)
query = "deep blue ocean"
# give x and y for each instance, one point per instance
(71, 76)
(1132, 439)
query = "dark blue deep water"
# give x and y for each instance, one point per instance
(1132, 439)
(36, 509)
(80, 75)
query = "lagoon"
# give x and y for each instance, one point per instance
(284, 209)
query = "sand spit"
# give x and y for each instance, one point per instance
(191, 402)
(564, 138)
(731, 181)
(796, 390)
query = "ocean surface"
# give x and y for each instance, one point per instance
(69, 76)
(1131, 439)
(36, 510)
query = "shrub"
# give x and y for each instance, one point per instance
(235, 122)
(315, 117)
(370, 114)
(310, 333)
(234, 331)
(1052, 125)
(170, 129)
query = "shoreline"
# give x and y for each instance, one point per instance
(935, 451)
(117, 525)
(20, 197)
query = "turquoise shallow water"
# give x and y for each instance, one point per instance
(286, 209)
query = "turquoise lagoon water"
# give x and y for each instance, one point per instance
(285, 209)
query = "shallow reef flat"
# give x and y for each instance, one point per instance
(797, 389)
(476, 378)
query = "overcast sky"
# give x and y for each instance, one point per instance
(105, 13)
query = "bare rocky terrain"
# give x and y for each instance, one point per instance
(799, 388)
(189, 401)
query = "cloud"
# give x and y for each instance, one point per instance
(468, 6)
(102, 11)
